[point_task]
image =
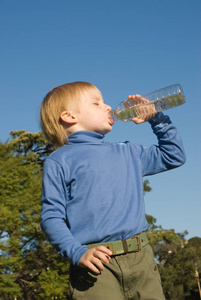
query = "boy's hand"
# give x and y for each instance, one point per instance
(144, 113)
(94, 258)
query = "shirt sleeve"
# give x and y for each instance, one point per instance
(53, 213)
(169, 153)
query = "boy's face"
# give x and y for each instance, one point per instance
(94, 114)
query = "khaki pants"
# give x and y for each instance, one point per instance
(128, 276)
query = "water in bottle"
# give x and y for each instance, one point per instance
(162, 99)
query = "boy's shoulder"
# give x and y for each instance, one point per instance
(57, 154)
(65, 153)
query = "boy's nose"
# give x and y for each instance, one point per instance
(108, 108)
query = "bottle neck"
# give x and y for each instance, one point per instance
(113, 115)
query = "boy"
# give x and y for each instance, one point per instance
(92, 196)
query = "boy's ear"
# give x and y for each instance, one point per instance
(68, 117)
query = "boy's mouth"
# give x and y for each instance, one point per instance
(111, 122)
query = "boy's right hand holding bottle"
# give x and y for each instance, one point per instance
(145, 113)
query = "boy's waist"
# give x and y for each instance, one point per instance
(133, 244)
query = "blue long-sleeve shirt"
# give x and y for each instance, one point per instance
(93, 190)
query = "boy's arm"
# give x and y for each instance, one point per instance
(169, 153)
(53, 214)
(54, 223)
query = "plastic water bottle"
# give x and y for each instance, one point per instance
(162, 99)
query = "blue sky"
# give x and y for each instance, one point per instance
(123, 47)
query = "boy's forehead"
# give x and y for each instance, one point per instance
(93, 93)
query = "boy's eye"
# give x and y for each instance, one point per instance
(96, 103)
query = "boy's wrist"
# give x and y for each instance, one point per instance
(157, 118)
(76, 259)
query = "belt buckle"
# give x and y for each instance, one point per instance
(138, 243)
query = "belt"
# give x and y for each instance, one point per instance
(133, 244)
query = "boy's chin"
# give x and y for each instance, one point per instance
(103, 132)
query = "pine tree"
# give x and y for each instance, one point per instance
(30, 268)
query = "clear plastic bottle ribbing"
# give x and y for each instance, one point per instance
(163, 99)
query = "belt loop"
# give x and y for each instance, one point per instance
(125, 246)
(110, 246)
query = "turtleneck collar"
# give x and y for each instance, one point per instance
(85, 137)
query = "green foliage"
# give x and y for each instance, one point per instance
(8, 286)
(178, 272)
(24, 143)
(177, 260)
(146, 186)
(26, 256)
(53, 284)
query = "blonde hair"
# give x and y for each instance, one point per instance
(62, 98)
